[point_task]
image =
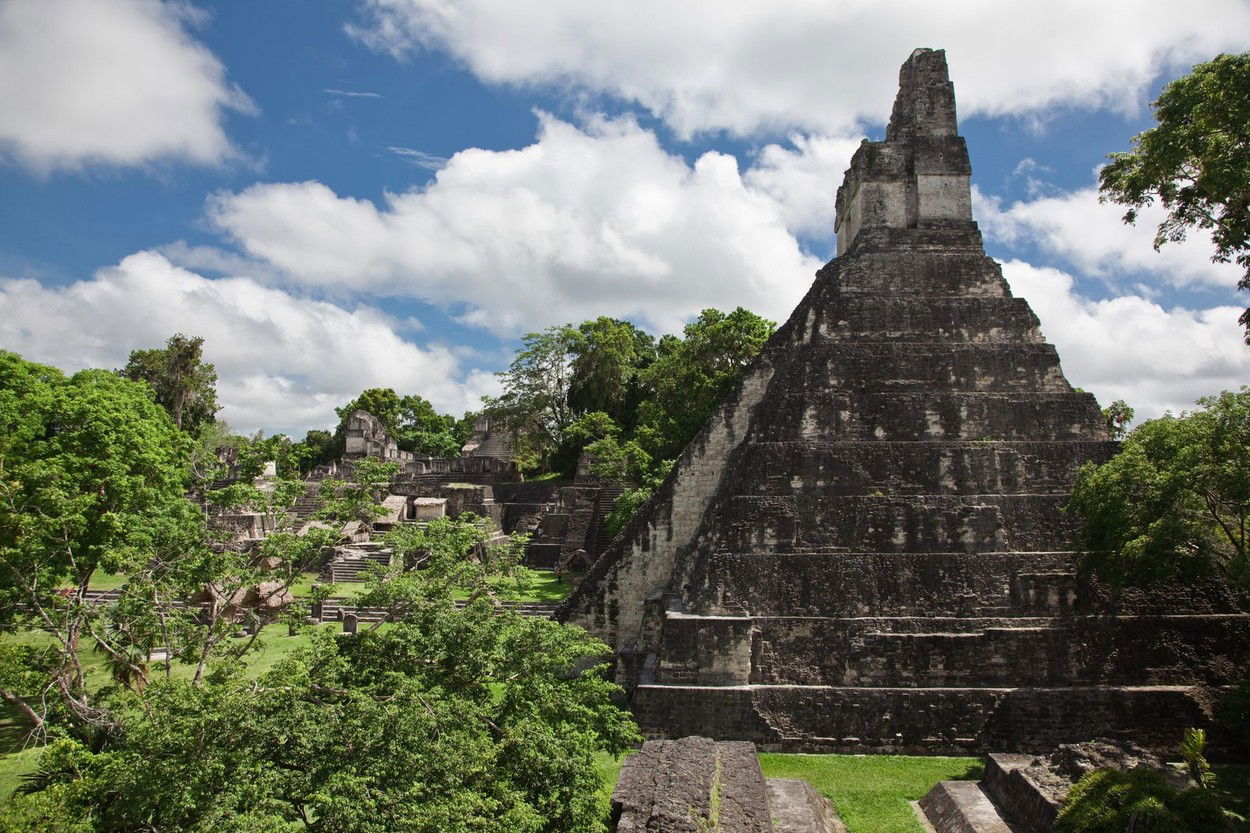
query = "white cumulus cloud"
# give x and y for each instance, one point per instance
(825, 67)
(1131, 348)
(1092, 237)
(109, 81)
(283, 362)
(583, 222)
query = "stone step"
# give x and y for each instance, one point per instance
(915, 652)
(830, 414)
(946, 720)
(952, 319)
(919, 467)
(1020, 799)
(962, 807)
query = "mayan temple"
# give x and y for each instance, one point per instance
(865, 549)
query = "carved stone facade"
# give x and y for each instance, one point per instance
(864, 547)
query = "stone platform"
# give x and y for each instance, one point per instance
(1024, 793)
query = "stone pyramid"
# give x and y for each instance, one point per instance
(865, 548)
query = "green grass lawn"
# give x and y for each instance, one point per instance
(16, 759)
(541, 586)
(106, 581)
(872, 792)
(302, 586)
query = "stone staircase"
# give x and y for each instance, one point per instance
(597, 539)
(307, 504)
(963, 807)
(351, 563)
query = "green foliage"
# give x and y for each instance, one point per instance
(693, 374)
(1174, 502)
(93, 481)
(445, 721)
(317, 448)
(183, 384)
(1111, 801)
(383, 403)
(613, 374)
(627, 504)
(358, 499)
(534, 406)
(1195, 162)
(872, 793)
(1117, 415)
(1193, 749)
(410, 420)
(608, 354)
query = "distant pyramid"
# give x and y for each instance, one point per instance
(864, 548)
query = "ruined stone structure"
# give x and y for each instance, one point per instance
(864, 548)
(1024, 793)
(367, 437)
(696, 784)
(484, 442)
(571, 532)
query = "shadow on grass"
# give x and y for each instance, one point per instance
(1232, 788)
(14, 729)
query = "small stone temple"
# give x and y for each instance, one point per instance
(865, 547)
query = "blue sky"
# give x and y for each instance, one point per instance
(339, 195)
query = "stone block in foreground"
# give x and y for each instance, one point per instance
(695, 785)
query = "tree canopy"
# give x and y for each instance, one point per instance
(1195, 162)
(656, 395)
(1176, 500)
(447, 716)
(693, 374)
(183, 383)
(411, 420)
(93, 479)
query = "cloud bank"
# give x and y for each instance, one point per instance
(116, 82)
(827, 68)
(583, 222)
(283, 362)
(1131, 348)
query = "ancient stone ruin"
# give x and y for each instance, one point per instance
(1024, 793)
(695, 785)
(865, 548)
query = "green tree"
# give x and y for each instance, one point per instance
(92, 479)
(448, 719)
(1175, 501)
(423, 430)
(1195, 162)
(317, 448)
(383, 403)
(534, 406)
(1117, 415)
(692, 376)
(608, 356)
(411, 421)
(184, 385)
